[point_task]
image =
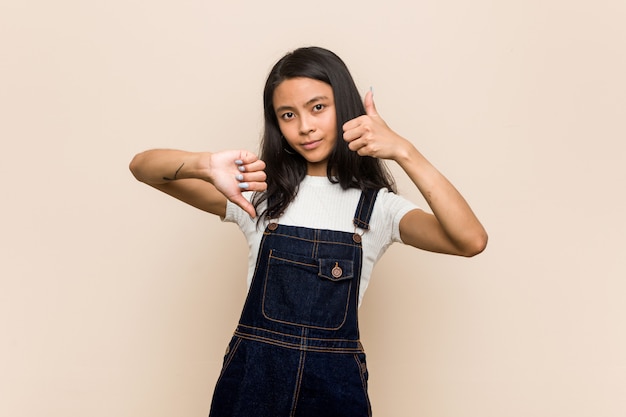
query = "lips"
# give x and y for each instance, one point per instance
(311, 145)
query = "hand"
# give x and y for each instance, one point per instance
(233, 172)
(369, 135)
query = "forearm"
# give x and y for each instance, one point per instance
(455, 216)
(160, 166)
(452, 228)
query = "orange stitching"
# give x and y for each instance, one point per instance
(298, 346)
(313, 241)
(294, 336)
(296, 394)
(345, 314)
(363, 382)
(292, 261)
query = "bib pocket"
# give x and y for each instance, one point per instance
(306, 291)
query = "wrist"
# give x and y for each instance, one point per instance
(196, 165)
(183, 165)
(407, 154)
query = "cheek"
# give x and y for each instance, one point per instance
(290, 136)
(331, 122)
(288, 132)
(331, 126)
(284, 128)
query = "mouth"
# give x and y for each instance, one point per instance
(311, 145)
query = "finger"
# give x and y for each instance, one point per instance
(353, 123)
(246, 157)
(244, 204)
(370, 107)
(365, 150)
(355, 133)
(350, 135)
(257, 165)
(356, 145)
(258, 176)
(252, 186)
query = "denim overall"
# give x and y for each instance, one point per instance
(296, 351)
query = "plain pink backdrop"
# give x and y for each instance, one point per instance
(116, 300)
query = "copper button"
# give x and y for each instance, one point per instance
(337, 271)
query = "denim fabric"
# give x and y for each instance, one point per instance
(296, 351)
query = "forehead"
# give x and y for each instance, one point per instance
(299, 91)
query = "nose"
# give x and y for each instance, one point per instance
(307, 124)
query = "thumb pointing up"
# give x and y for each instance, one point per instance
(370, 107)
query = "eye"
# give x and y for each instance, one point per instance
(287, 116)
(319, 107)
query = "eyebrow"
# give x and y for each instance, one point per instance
(308, 103)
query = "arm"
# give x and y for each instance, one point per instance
(452, 228)
(202, 179)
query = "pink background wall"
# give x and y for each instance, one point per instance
(116, 300)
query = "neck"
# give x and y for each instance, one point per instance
(316, 170)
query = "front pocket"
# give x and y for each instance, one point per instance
(306, 291)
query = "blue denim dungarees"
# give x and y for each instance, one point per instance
(296, 351)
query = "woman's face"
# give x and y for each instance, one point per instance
(305, 109)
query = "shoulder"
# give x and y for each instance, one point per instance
(392, 202)
(389, 210)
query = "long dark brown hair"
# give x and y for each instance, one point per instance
(285, 169)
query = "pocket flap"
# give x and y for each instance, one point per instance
(335, 270)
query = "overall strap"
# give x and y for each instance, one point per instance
(364, 209)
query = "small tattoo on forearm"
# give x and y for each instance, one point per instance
(175, 174)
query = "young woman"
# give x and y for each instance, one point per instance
(318, 209)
